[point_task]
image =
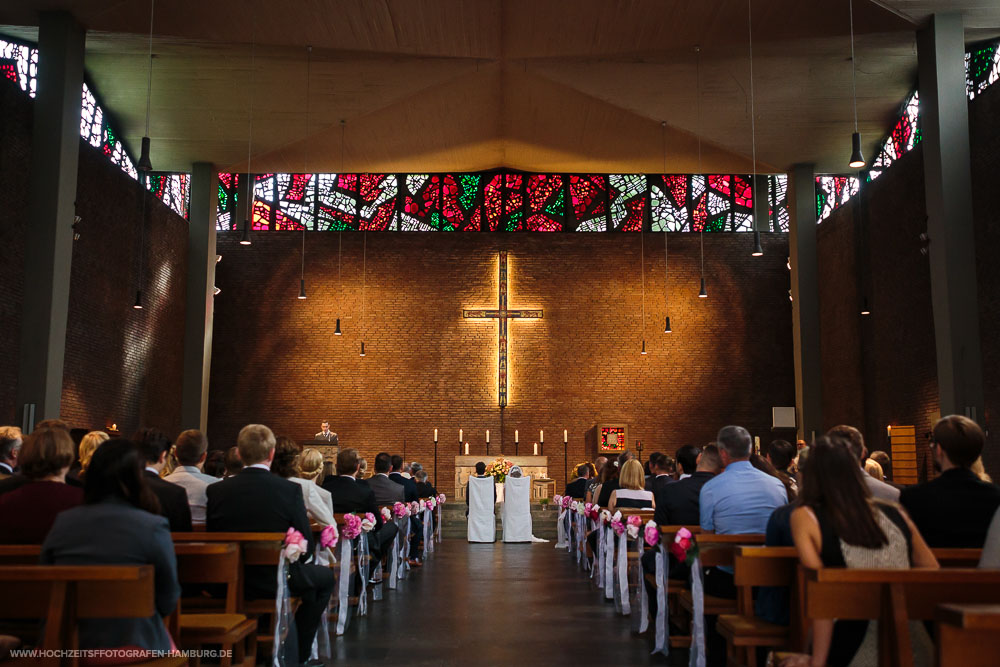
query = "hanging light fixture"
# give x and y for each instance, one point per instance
(302, 270)
(758, 250)
(138, 300)
(245, 237)
(643, 346)
(666, 249)
(703, 293)
(865, 309)
(144, 165)
(362, 348)
(857, 159)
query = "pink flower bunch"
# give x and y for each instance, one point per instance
(573, 505)
(557, 500)
(386, 514)
(368, 522)
(352, 526)
(414, 508)
(605, 516)
(591, 511)
(441, 499)
(618, 527)
(295, 545)
(431, 503)
(632, 524)
(652, 533)
(422, 505)
(565, 501)
(329, 537)
(684, 548)
(400, 510)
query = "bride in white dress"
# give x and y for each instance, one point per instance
(516, 512)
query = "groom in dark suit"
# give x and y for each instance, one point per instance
(153, 446)
(254, 500)
(350, 496)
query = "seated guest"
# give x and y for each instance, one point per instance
(597, 468)
(611, 483)
(781, 454)
(737, 501)
(578, 487)
(88, 445)
(215, 464)
(234, 464)
(424, 488)
(659, 465)
(882, 458)
(362, 469)
(173, 499)
(630, 492)
(874, 469)
(955, 509)
(386, 491)
(118, 524)
(980, 470)
(350, 496)
(677, 504)
(191, 450)
(839, 524)
(480, 472)
(879, 489)
(10, 446)
(28, 512)
(318, 503)
(762, 464)
(311, 466)
(687, 460)
(396, 475)
(257, 501)
(647, 470)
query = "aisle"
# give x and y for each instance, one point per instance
(482, 604)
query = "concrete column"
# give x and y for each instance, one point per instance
(805, 302)
(948, 191)
(48, 252)
(200, 301)
(761, 204)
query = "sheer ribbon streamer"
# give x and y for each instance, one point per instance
(640, 620)
(598, 572)
(282, 614)
(621, 566)
(662, 644)
(404, 545)
(439, 522)
(569, 531)
(321, 643)
(697, 616)
(428, 527)
(363, 568)
(344, 586)
(393, 562)
(609, 561)
(561, 530)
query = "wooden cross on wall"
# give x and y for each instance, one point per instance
(502, 315)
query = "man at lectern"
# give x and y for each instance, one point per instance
(326, 433)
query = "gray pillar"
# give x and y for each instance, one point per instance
(200, 301)
(805, 302)
(948, 176)
(48, 252)
(761, 204)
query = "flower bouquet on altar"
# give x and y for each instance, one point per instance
(498, 470)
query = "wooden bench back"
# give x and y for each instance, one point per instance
(20, 554)
(211, 563)
(93, 591)
(720, 550)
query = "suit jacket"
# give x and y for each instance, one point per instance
(657, 482)
(113, 532)
(12, 483)
(677, 504)
(386, 491)
(255, 500)
(426, 490)
(329, 437)
(349, 495)
(953, 510)
(577, 488)
(409, 486)
(173, 502)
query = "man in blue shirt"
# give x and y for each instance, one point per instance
(738, 501)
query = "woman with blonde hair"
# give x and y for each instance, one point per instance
(873, 468)
(631, 492)
(88, 446)
(311, 466)
(286, 463)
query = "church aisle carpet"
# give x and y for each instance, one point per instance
(482, 604)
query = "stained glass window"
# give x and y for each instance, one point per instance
(627, 201)
(905, 135)
(377, 201)
(545, 203)
(832, 192)
(588, 199)
(174, 190)
(229, 193)
(982, 69)
(19, 63)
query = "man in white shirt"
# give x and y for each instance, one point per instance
(191, 450)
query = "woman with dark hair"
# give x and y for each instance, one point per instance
(762, 464)
(837, 524)
(28, 512)
(287, 464)
(118, 524)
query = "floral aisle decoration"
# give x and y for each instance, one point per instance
(441, 499)
(368, 523)
(414, 508)
(651, 533)
(294, 546)
(400, 510)
(386, 513)
(632, 525)
(498, 469)
(352, 526)
(684, 547)
(329, 537)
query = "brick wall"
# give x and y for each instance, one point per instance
(122, 366)
(275, 359)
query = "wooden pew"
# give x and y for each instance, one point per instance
(216, 564)
(20, 554)
(968, 635)
(895, 597)
(65, 594)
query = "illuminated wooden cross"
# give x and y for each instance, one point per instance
(502, 315)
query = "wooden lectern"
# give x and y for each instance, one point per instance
(329, 451)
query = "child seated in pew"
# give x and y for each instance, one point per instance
(839, 525)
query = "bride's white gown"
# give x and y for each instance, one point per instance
(516, 512)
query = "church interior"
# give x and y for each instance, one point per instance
(666, 218)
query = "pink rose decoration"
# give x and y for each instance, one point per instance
(352, 526)
(368, 522)
(295, 545)
(557, 500)
(684, 533)
(400, 510)
(329, 537)
(441, 499)
(566, 500)
(422, 505)
(618, 527)
(652, 534)
(386, 514)
(573, 505)
(414, 508)
(431, 503)
(605, 516)
(634, 521)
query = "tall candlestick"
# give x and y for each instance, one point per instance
(541, 436)
(466, 449)
(460, 435)
(536, 449)
(435, 435)
(487, 436)
(565, 435)
(515, 436)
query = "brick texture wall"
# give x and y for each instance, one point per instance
(275, 359)
(122, 365)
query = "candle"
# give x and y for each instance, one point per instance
(565, 435)
(466, 449)
(515, 436)
(459, 435)
(541, 436)
(536, 449)
(435, 435)
(487, 435)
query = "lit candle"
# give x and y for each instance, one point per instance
(565, 435)
(487, 435)
(515, 436)
(460, 435)
(541, 436)
(435, 435)
(466, 449)
(536, 449)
